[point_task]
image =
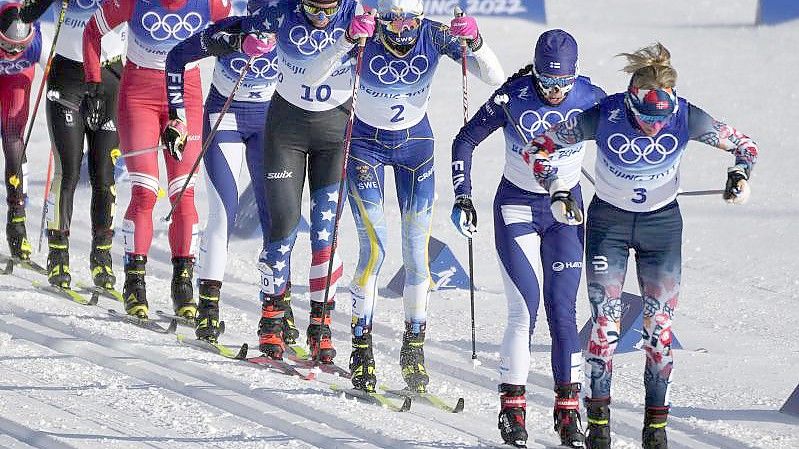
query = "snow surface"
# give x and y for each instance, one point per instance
(72, 378)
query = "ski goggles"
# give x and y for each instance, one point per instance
(398, 24)
(12, 48)
(549, 83)
(319, 13)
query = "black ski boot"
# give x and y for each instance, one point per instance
(58, 259)
(270, 328)
(512, 414)
(362, 363)
(100, 260)
(17, 237)
(654, 433)
(320, 337)
(135, 290)
(182, 290)
(208, 326)
(412, 357)
(598, 433)
(290, 331)
(567, 415)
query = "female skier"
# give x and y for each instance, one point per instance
(20, 50)
(154, 28)
(304, 134)
(391, 129)
(641, 135)
(525, 232)
(69, 128)
(238, 140)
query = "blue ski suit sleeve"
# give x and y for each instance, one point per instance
(267, 19)
(487, 120)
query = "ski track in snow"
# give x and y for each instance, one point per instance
(72, 378)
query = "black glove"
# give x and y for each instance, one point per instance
(94, 108)
(223, 42)
(565, 209)
(464, 216)
(737, 189)
(174, 136)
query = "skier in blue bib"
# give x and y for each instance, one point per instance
(391, 129)
(526, 234)
(237, 143)
(641, 135)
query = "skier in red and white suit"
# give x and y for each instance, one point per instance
(155, 27)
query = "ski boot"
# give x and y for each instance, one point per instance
(362, 363)
(654, 433)
(270, 328)
(320, 343)
(512, 414)
(17, 237)
(567, 415)
(58, 259)
(182, 291)
(598, 433)
(412, 357)
(100, 260)
(290, 331)
(208, 327)
(135, 290)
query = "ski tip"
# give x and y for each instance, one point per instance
(173, 326)
(310, 376)
(406, 405)
(459, 406)
(242, 354)
(93, 300)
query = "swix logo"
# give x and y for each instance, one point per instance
(285, 174)
(613, 116)
(600, 264)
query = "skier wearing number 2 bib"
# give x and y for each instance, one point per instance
(641, 135)
(238, 142)
(391, 129)
(526, 234)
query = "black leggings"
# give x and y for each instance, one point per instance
(67, 130)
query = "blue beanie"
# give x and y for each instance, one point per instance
(556, 53)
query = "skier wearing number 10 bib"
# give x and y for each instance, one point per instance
(391, 129)
(153, 29)
(641, 136)
(526, 234)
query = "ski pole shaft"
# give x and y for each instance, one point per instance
(45, 74)
(465, 89)
(143, 151)
(43, 224)
(343, 180)
(701, 192)
(210, 138)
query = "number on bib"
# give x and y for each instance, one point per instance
(321, 93)
(398, 115)
(640, 196)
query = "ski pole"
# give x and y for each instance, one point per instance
(701, 192)
(208, 141)
(343, 180)
(465, 89)
(45, 74)
(140, 152)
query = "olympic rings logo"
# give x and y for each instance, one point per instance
(535, 123)
(264, 68)
(171, 26)
(653, 151)
(88, 4)
(315, 41)
(13, 67)
(396, 70)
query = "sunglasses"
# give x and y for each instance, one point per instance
(398, 24)
(318, 12)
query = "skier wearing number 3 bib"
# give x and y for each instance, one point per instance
(391, 129)
(641, 135)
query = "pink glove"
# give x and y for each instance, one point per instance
(255, 46)
(362, 26)
(464, 27)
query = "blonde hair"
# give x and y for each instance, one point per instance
(651, 67)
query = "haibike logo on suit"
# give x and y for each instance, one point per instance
(171, 26)
(309, 43)
(397, 70)
(560, 266)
